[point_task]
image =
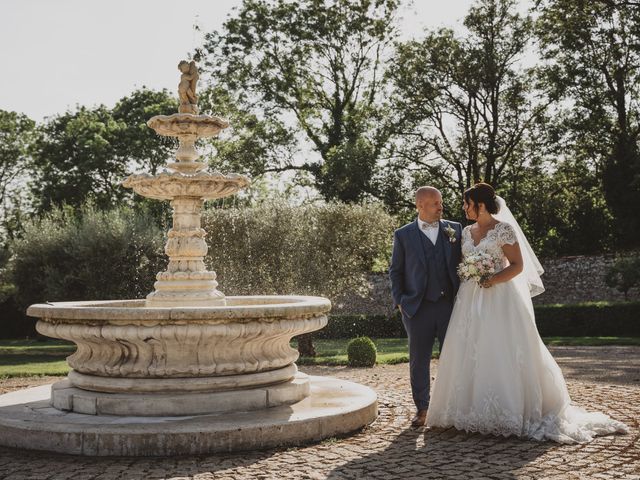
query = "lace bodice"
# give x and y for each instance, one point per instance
(501, 234)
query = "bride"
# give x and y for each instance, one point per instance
(495, 376)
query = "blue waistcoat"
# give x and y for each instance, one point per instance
(438, 283)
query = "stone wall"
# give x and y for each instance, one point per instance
(579, 279)
(566, 279)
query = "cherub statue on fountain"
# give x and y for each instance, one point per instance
(187, 87)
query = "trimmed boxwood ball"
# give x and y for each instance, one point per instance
(361, 352)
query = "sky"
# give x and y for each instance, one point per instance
(56, 54)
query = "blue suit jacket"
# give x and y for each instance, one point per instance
(408, 270)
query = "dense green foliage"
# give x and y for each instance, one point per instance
(320, 63)
(361, 352)
(350, 326)
(83, 155)
(279, 249)
(95, 255)
(591, 68)
(589, 319)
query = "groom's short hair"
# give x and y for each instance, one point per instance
(425, 191)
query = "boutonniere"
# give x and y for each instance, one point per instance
(451, 233)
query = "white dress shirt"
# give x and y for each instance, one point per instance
(430, 231)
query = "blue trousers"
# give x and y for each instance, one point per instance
(430, 322)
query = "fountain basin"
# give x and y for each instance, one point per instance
(132, 359)
(125, 339)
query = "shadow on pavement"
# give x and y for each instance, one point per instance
(440, 454)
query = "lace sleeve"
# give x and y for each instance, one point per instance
(506, 234)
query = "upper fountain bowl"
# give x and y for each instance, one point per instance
(185, 124)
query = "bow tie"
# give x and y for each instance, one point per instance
(426, 225)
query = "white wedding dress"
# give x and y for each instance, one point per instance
(495, 376)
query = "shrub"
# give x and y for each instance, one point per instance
(94, 255)
(361, 352)
(276, 248)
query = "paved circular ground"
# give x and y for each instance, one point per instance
(599, 378)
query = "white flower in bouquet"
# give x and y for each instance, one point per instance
(478, 267)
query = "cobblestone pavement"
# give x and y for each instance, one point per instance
(599, 378)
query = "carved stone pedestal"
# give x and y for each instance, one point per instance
(186, 282)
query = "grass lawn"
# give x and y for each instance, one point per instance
(25, 358)
(28, 358)
(395, 350)
(32, 365)
(35, 347)
(334, 351)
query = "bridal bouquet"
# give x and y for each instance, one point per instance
(477, 266)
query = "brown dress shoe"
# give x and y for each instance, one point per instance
(420, 419)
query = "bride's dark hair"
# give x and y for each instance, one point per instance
(482, 193)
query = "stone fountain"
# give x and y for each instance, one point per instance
(187, 370)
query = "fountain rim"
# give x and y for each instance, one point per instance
(237, 308)
(189, 117)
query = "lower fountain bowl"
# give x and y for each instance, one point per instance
(242, 344)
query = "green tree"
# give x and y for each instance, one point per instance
(592, 55)
(16, 135)
(84, 155)
(252, 145)
(469, 110)
(562, 210)
(316, 64)
(135, 141)
(141, 148)
(75, 160)
(624, 274)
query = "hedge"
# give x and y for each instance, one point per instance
(579, 320)
(13, 322)
(594, 319)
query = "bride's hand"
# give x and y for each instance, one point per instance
(487, 282)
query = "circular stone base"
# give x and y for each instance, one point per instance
(334, 407)
(95, 383)
(64, 396)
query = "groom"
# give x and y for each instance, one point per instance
(424, 283)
